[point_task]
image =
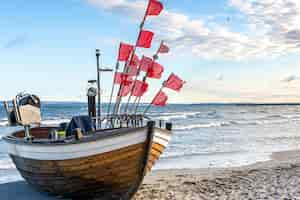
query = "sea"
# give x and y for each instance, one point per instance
(204, 136)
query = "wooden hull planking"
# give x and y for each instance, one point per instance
(114, 172)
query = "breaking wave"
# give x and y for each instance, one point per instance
(196, 126)
(176, 116)
(6, 164)
(47, 122)
(54, 121)
(3, 122)
(233, 123)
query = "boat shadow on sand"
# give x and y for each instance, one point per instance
(20, 190)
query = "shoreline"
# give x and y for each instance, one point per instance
(277, 178)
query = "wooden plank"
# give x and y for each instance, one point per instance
(155, 153)
(49, 167)
(115, 169)
(130, 156)
(117, 177)
(158, 147)
(72, 162)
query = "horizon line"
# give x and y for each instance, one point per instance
(198, 103)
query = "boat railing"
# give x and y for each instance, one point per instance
(130, 121)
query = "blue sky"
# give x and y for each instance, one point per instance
(226, 50)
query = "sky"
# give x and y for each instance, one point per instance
(228, 51)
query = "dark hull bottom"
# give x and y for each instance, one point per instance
(113, 174)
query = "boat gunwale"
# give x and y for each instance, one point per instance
(98, 135)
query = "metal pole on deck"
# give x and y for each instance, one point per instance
(98, 88)
(99, 70)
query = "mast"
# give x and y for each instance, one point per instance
(126, 67)
(98, 88)
(112, 90)
(138, 99)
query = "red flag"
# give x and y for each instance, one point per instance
(124, 51)
(135, 61)
(122, 79)
(155, 71)
(174, 83)
(163, 48)
(145, 39)
(154, 8)
(160, 99)
(145, 63)
(140, 88)
(125, 90)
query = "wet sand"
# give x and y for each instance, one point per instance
(277, 179)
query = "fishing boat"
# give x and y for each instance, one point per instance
(104, 155)
(109, 163)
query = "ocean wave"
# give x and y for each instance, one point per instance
(176, 115)
(229, 123)
(44, 122)
(3, 122)
(169, 155)
(55, 121)
(6, 164)
(280, 116)
(172, 117)
(208, 125)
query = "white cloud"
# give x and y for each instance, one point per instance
(273, 29)
(276, 20)
(219, 77)
(125, 7)
(290, 78)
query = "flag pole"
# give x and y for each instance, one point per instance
(112, 90)
(118, 100)
(119, 97)
(155, 58)
(129, 98)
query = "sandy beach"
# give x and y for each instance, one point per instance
(277, 179)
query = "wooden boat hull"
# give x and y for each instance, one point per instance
(110, 167)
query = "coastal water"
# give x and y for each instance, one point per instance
(205, 135)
